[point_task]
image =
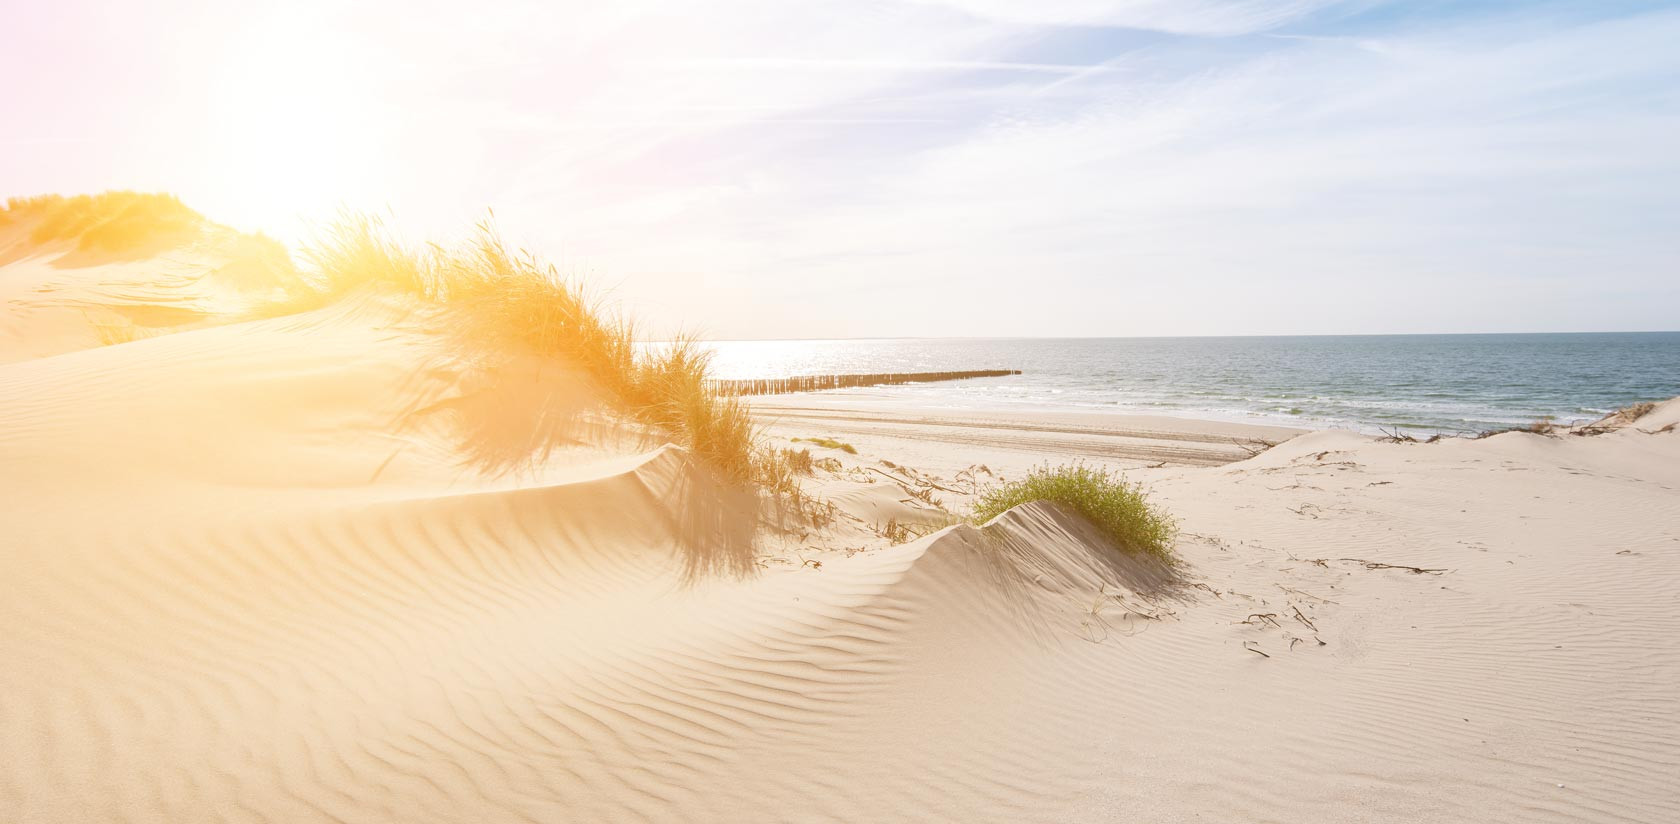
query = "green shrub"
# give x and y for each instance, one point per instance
(1119, 509)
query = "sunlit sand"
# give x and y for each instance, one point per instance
(276, 549)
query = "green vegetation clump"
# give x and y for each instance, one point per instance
(1119, 509)
(829, 443)
(110, 221)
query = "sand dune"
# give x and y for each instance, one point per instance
(275, 570)
(60, 297)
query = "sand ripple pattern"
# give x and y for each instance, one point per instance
(320, 619)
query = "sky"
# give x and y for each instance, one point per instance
(877, 168)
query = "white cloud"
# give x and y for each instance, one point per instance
(1197, 17)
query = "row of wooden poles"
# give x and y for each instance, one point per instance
(812, 383)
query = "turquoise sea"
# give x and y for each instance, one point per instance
(1427, 383)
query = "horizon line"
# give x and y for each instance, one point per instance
(1181, 337)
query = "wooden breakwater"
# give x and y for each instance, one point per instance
(813, 383)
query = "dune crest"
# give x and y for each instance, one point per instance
(94, 270)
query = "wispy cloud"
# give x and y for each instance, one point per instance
(1370, 184)
(1195, 17)
(877, 65)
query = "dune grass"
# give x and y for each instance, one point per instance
(500, 300)
(1119, 509)
(112, 221)
(510, 300)
(356, 251)
(1546, 425)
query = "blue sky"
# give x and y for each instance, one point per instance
(925, 167)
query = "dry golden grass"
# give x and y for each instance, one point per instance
(499, 299)
(510, 300)
(355, 251)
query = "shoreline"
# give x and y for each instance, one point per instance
(1423, 384)
(1124, 440)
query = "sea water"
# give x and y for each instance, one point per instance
(1420, 383)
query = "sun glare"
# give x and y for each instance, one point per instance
(291, 131)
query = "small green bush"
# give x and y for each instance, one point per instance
(1119, 509)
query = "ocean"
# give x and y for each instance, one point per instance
(1418, 383)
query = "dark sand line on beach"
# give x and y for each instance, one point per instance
(1144, 438)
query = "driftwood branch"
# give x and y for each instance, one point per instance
(1380, 565)
(1303, 618)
